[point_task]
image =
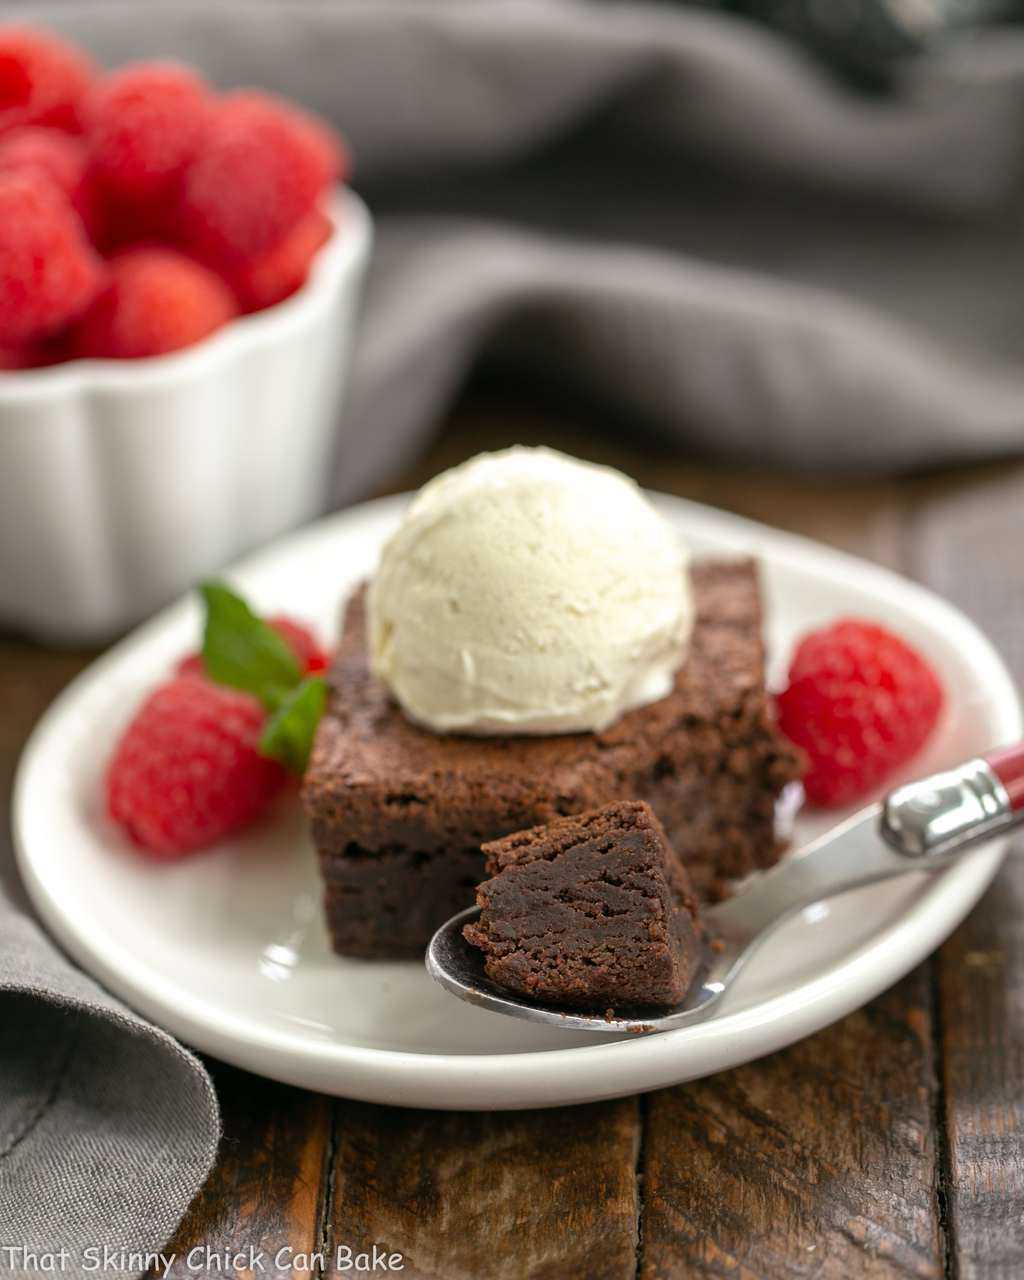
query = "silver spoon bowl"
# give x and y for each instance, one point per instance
(924, 826)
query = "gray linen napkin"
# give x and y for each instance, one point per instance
(674, 213)
(108, 1127)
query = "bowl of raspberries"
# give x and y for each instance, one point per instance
(180, 270)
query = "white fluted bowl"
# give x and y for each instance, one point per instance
(123, 482)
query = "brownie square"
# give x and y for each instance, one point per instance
(591, 912)
(398, 814)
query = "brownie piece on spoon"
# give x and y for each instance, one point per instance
(589, 912)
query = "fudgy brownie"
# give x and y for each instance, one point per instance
(591, 912)
(399, 813)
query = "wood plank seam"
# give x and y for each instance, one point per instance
(943, 1155)
(639, 1172)
(324, 1229)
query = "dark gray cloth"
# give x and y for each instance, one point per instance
(672, 213)
(108, 1127)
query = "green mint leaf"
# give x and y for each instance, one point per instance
(241, 650)
(288, 735)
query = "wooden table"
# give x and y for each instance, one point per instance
(888, 1145)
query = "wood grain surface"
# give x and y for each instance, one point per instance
(981, 999)
(490, 1196)
(267, 1193)
(818, 1161)
(889, 1145)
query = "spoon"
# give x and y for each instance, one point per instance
(926, 825)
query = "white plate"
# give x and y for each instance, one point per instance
(228, 950)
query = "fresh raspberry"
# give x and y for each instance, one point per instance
(278, 274)
(261, 169)
(49, 273)
(42, 79)
(187, 771)
(14, 358)
(59, 157)
(158, 300)
(124, 225)
(860, 702)
(304, 644)
(144, 124)
(35, 355)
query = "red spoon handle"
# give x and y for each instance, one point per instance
(1007, 763)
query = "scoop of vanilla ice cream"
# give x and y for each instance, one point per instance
(528, 593)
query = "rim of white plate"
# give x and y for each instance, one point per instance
(653, 1061)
